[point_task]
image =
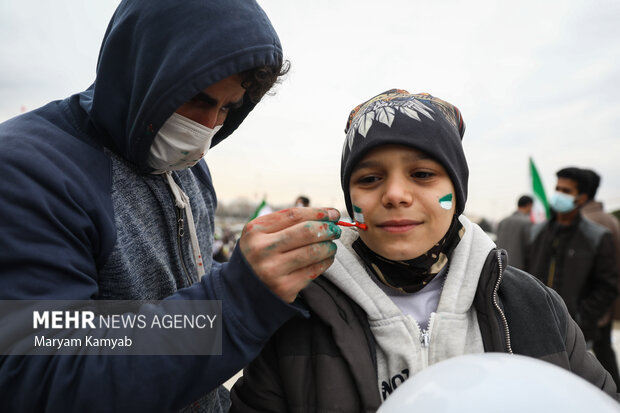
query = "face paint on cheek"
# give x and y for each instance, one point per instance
(358, 219)
(358, 215)
(446, 202)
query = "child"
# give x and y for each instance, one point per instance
(422, 284)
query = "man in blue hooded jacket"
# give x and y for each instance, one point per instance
(105, 196)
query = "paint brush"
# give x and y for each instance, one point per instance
(353, 224)
(358, 218)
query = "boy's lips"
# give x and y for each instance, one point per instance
(398, 225)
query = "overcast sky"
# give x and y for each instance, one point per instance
(532, 78)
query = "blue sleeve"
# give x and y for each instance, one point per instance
(55, 227)
(251, 314)
(53, 222)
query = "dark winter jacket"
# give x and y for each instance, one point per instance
(579, 262)
(82, 218)
(328, 363)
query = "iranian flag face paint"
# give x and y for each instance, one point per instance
(446, 202)
(358, 215)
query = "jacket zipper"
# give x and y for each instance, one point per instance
(180, 233)
(496, 304)
(425, 339)
(552, 264)
(425, 335)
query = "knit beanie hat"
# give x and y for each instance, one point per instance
(420, 121)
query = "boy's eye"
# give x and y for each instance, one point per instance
(422, 174)
(368, 179)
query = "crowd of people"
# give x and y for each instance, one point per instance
(107, 196)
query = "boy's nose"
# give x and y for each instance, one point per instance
(397, 192)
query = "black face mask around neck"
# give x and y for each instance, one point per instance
(411, 276)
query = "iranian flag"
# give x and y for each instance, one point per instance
(262, 209)
(540, 209)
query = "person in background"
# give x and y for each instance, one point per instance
(593, 210)
(422, 284)
(105, 196)
(223, 244)
(302, 201)
(575, 256)
(513, 232)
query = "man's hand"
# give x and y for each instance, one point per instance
(289, 248)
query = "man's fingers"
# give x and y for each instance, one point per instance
(295, 282)
(311, 272)
(288, 248)
(305, 234)
(292, 261)
(277, 221)
(261, 246)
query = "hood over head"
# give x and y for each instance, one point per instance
(157, 54)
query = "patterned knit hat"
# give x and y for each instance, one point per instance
(420, 121)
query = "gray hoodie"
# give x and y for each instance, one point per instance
(403, 349)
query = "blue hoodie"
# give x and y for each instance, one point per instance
(82, 218)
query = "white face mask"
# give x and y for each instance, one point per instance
(180, 144)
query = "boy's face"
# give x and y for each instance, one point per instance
(399, 190)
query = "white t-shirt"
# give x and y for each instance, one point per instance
(420, 304)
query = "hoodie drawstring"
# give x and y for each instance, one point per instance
(182, 202)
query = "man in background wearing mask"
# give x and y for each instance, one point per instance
(575, 256)
(105, 196)
(593, 210)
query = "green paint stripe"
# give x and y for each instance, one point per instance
(447, 198)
